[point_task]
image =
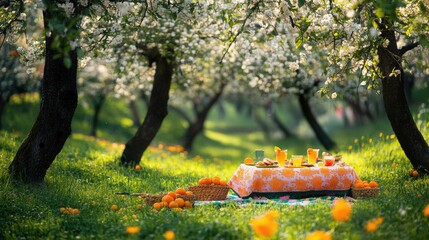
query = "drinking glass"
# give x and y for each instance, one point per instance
(297, 160)
(281, 157)
(259, 155)
(329, 160)
(312, 155)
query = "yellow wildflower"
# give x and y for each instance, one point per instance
(265, 226)
(319, 235)
(342, 210)
(350, 147)
(169, 235)
(133, 229)
(392, 136)
(370, 140)
(356, 140)
(380, 134)
(426, 211)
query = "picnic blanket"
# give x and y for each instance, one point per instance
(284, 200)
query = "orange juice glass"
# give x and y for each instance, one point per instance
(312, 155)
(297, 160)
(329, 160)
(281, 157)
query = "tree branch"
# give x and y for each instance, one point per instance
(408, 47)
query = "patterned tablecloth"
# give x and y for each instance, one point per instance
(250, 181)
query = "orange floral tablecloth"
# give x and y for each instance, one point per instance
(249, 179)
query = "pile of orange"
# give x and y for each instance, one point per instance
(212, 181)
(69, 211)
(365, 184)
(173, 200)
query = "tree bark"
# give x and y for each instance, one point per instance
(410, 138)
(321, 135)
(97, 103)
(134, 113)
(157, 109)
(197, 126)
(276, 119)
(2, 107)
(53, 123)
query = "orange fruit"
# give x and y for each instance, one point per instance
(167, 199)
(172, 194)
(248, 160)
(62, 210)
(415, 173)
(164, 204)
(157, 206)
(207, 181)
(75, 211)
(138, 167)
(222, 183)
(173, 204)
(216, 182)
(359, 185)
(188, 204)
(180, 202)
(114, 207)
(189, 193)
(373, 184)
(201, 181)
(410, 171)
(181, 191)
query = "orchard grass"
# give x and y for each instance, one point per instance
(86, 176)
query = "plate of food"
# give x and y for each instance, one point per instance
(267, 166)
(307, 164)
(249, 164)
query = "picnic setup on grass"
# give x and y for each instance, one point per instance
(298, 180)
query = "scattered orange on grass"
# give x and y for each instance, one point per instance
(415, 173)
(181, 191)
(426, 211)
(114, 207)
(319, 235)
(248, 160)
(169, 235)
(132, 229)
(342, 210)
(138, 167)
(139, 206)
(167, 199)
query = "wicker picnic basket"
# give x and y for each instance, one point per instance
(150, 199)
(365, 192)
(210, 192)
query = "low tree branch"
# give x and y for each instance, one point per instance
(408, 47)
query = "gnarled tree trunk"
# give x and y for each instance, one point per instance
(197, 126)
(97, 103)
(321, 135)
(53, 124)
(157, 109)
(410, 138)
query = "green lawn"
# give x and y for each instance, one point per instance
(86, 175)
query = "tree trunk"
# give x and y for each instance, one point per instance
(98, 103)
(276, 119)
(53, 123)
(411, 140)
(324, 138)
(197, 126)
(157, 109)
(134, 113)
(264, 127)
(2, 107)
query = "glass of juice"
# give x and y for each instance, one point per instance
(329, 160)
(297, 160)
(281, 156)
(312, 155)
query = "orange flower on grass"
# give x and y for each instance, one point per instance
(266, 225)
(319, 235)
(342, 210)
(372, 225)
(169, 235)
(426, 211)
(133, 229)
